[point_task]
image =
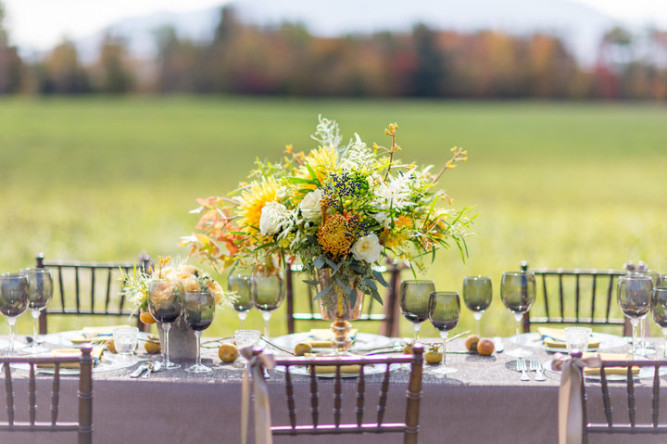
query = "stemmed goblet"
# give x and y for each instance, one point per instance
(659, 311)
(477, 294)
(267, 291)
(517, 291)
(165, 303)
(634, 298)
(240, 285)
(198, 311)
(41, 290)
(444, 309)
(415, 295)
(14, 293)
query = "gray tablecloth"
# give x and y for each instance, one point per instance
(482, 402)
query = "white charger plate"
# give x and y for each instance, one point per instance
(108, 364)
(368, 371)
(607, 342)
(362, 341)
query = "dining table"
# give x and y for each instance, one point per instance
(483, 401)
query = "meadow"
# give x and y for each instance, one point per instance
(555, 184)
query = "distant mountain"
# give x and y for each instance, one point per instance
(579, 26)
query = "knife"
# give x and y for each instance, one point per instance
(140, 370)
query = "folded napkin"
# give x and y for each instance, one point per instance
(610, 370)
(96, 354)
(555, 338)
(331, 369)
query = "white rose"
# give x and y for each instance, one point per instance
(382, 218)
(367, 248)
(274, 215)
(310, 205)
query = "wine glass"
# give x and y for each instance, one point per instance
(477, 293)
(517, 291)
(415, 296)
(41, 290)
(198, 311)
(165, 303)
(444, 309)
(14, 293)
(267, 291)
(659, 311)
(634, 298)
(240, 285)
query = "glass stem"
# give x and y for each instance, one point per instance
(478, 320)
(242, 316)
(640, 341)
(35, 327)
(416, 326)
(443, 337)
(12, 333)
(634, 323)
(518, 317)
(198, 336)
(166, 326)
(267, 317)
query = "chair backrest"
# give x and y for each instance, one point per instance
(83, 425)
(575, 296)
(617, 419)
(307, 309)
(88, 288)
(316, 426)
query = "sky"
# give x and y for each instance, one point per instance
(41, 24)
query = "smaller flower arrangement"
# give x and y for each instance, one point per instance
(135, 285)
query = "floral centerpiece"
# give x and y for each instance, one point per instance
(340, 209)
(136, 287)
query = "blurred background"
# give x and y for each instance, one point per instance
(115, 116)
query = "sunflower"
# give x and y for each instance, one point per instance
(253, 200)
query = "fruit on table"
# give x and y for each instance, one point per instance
(485, 347)
(228, 353)
(433, 356)
(111, 346)
(153, 347)
(471, 343)
(302, 348)
(407, 349)
(147, 318)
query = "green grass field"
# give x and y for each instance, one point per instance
(556, 184)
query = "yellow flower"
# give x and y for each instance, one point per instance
(323, 161)
(253, 201)
(334, 236)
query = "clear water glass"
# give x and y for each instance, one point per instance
(577, 338)
(414, 300)
(517, 291)
(477, 294)
(41, 291)
(14, 293)
(125, 341)
(245, 338)
(444, 309)
(634, 297)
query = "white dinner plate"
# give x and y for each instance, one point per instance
(644, 373)
(63, 339)
(109, 363)
(607, 342)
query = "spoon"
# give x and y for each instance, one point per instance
(153, 367)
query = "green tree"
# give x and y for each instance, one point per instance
(11, 65)
(113, 71)
(64, 74)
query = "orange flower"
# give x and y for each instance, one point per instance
(334, 236)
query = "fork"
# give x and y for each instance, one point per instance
(522, 367)
(536, 365)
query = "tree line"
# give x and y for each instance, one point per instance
(288, 60)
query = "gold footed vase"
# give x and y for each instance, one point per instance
(337, 306)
